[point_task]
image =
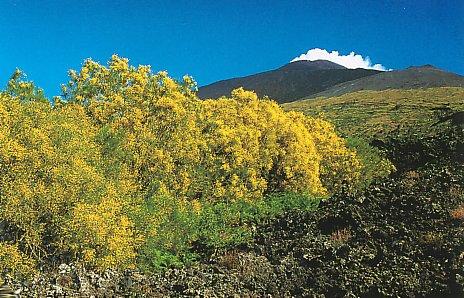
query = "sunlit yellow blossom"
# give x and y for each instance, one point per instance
(101, 173)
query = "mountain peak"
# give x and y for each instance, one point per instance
(311, 65)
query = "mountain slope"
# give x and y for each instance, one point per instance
(370, 114)
(290, 82)
(411, 78)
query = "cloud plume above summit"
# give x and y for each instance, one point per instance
(352, 60)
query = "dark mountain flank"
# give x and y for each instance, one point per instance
(290, 82)
(414, 77)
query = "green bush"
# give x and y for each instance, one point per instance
(374, 163)
(214, 225)
(223, 225)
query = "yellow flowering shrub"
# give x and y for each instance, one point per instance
(254, 147)
(339, 165)
(49, 165)
(105, 236)
(230, 148)
(154, 117)
(14, 262)
(45, 164)
(122, 167)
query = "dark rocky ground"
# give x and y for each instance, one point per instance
(398, 238)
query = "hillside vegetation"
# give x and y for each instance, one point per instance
(129, 169)
(403, 236)
(129, 185)
(379, 114)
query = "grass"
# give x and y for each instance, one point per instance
(376, 114)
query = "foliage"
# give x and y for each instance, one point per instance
(26, 91)
(340, 167)
(236, 148)
(50, 165)
(172, 228)
(254, 147)
(396, 238)
(104, 235)
(227, 225)
(374, 163)
(129, 168)
(214, 226)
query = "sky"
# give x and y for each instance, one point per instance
(215, 40)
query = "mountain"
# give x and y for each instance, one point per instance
(290, 82)
(414, 77)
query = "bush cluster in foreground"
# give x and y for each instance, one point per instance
(129, 168)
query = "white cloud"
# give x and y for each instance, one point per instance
(352, 60)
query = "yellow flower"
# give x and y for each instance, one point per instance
(196, 206)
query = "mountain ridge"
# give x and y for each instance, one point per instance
(289, 82)
(304, 79)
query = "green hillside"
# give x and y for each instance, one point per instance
(376, 114)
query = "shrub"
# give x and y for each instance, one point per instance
(47, 162)
(374, 164)
(129, 168)
(49, 165)
(237, 147)
(255, 147)
(340, 166)
(102, 235)
(171, 227)
(14, 262)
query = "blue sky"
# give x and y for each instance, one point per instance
(214, 40)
